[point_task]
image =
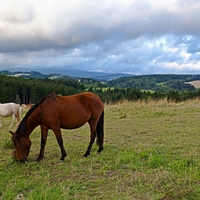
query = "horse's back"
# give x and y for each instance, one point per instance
(75, 110)
(10, 104)
(9, 108)
(87, 101)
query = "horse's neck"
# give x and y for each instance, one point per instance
(31, 123)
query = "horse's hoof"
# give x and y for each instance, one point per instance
(99, 150)
(62, 159)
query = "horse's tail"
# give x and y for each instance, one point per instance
(18, 114)
(100, 132)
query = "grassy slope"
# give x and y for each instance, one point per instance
(151, 152)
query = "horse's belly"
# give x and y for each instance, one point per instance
(5, 113)
(74, 122)
(72, 125)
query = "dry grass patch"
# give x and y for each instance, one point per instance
(151, 152)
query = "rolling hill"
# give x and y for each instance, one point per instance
(157, 82)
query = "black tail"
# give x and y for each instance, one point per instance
(100, 132)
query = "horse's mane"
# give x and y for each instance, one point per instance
(22, 125)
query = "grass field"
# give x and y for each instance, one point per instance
(151, 153)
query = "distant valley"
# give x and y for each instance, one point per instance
(156, 82)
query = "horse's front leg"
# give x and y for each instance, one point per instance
(58, 135)
(44, 133)
(13, 119)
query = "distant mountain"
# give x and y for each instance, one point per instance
(26, 74)
(85, 74)
(110, 76)
(44, 73)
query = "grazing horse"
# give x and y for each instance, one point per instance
(7, 109)
(56, 112)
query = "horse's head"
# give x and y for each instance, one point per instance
(22, 147)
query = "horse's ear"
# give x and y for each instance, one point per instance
(11, 132)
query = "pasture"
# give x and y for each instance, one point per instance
(151, 152)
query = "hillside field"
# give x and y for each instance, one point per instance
(196, 83)
(151, 153)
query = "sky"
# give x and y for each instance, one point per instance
(126, 36)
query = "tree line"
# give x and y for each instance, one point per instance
(114, 95)
(26, 91)
(32, 90)
(158, 82)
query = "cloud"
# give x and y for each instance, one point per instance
(20, 11)
(110, 35)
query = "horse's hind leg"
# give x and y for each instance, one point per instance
(100, 132)
(92, 138)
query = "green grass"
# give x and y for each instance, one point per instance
(151, 153)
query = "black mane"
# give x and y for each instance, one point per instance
(22, 125)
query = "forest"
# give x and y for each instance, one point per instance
(31, 90)
(25, 90)
(158, 82)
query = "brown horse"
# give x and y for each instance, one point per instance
(56, 112)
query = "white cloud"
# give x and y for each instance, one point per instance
(16, 11)
(139, 36)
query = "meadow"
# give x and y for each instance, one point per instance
(151, 152)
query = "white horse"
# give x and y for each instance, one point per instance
(7, 109)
